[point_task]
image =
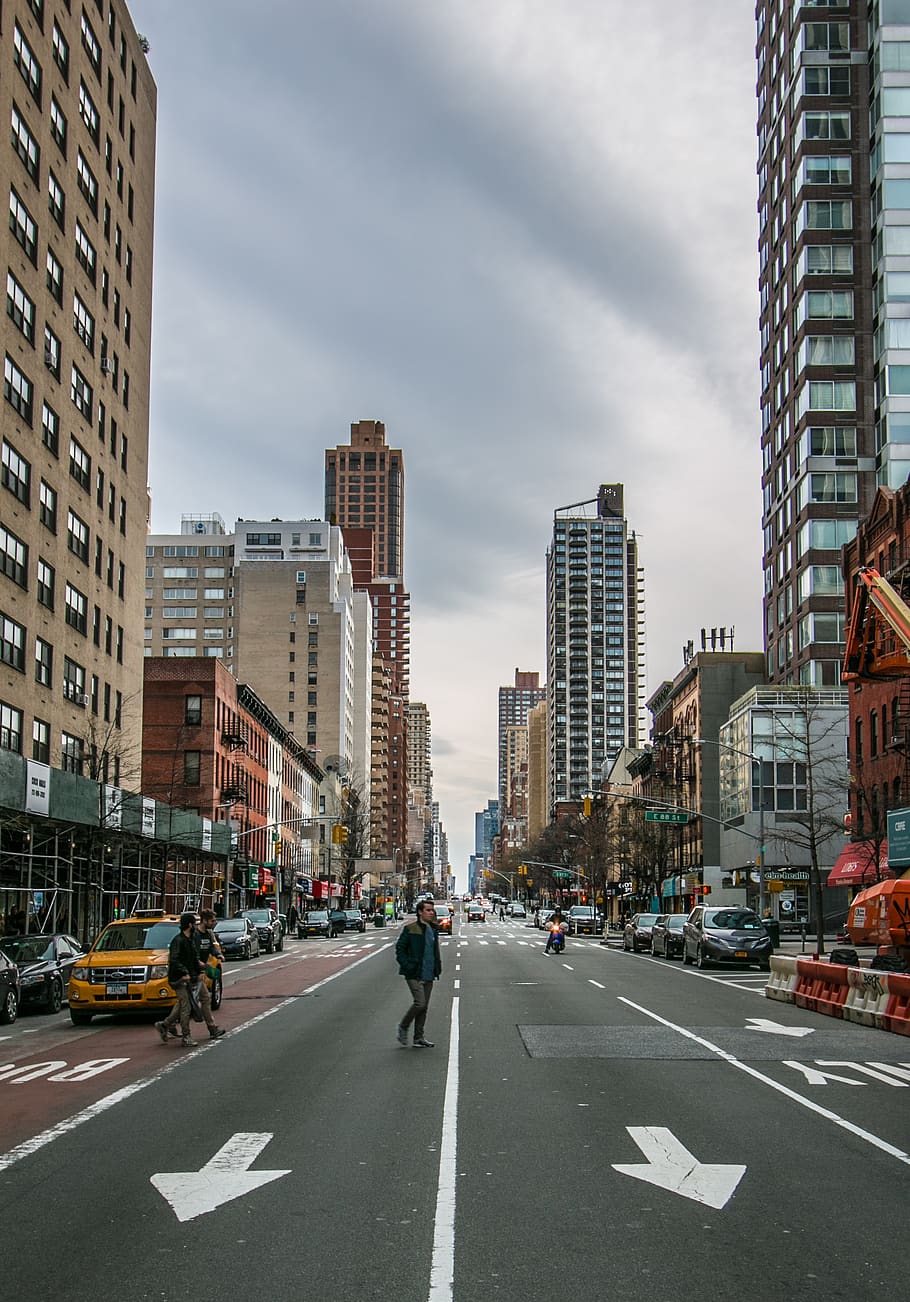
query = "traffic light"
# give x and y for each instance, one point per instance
(339, 834)
(704, 890)
(587, 807)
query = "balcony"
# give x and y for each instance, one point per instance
(234, 736)
(235, 793)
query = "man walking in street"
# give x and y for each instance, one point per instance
(207, 947)
(417, 952)
(293, 915)
(183, 969)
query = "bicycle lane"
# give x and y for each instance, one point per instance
(61, 1070)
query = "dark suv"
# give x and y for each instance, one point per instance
(728, 934)
(266, 923)
(582, 920)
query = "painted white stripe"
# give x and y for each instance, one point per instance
(69, 1124)
(568, 968)
(500, 942)
(442, 1269)
(866, 1135)
(456, 984)
(592, 982)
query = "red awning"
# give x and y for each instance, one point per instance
(856, 866)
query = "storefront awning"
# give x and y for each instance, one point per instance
(856, 865)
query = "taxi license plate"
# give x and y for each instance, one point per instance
(117, 988)
(741, 953)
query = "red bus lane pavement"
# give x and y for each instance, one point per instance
(50, 1075)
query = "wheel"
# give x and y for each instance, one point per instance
(700, 961)
(217, 993)
(685, 957)
(9, 1008)
(54, 997)
(248, 952)
(79, 1019)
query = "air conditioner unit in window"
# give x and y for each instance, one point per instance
(107, 366)
(80, 698)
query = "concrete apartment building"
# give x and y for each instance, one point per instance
(538, 798)
(515, 702)
(595, 643)
(79, 172)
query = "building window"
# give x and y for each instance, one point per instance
(44, 662)
(87, 182)
(46, 579)
(19, 308)
(47, 506)
(61, 52)
(88, 112)
(18, 389)
(54, 277)
(81, 393)
(56, 199)
(93, 49)
(72, 753)
(25, 144)
(85, 253)
(80, 464)
(77, 535)
(76, 609)
(28, 65)
(52, 352)
(13, 557)
(84, 323)
(192, 711)
(73, 681)
(191, 768)
(41, 741)
(12, 643)
(58, 126)
(10, 728)
(16, 474)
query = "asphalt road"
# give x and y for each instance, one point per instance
(514, 1160)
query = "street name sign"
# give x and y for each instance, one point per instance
(665, 816)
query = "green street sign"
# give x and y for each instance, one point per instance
(665, 816)
(559, 872)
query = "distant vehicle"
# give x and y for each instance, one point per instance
(9, 990)
(582, 920)
(637, 931)
(45, 963)
(476, 913)
(516, 910)
(238, 937)
(266, 923)
(314, 923)
(354, 920)
(444, 913)
(667, 935)
(726, 935)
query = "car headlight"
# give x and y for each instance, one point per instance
(31, 979)
(79, 974)
(158, 972)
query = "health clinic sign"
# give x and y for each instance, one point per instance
(899, 838)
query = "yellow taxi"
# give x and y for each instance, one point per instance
(125, 971)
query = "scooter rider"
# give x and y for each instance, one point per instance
(554, 926)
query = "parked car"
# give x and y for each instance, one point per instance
(726, 935)
(266, 923)
(45, 963)
(667, 935)
(582, 920)
(125, 971)
(314, 923)
(9, 990)
(637, 931)
(238, 937)
(354, 920)
(475, 913)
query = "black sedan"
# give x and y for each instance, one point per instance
(45, 963)
(637, 931)
(667, 935)
(726, 935)
(9, 990)
(271, 937)
(314, 923)
(237, 937)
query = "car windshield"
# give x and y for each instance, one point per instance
(646, 919)
(733, 920)
(258, 915)
(675, 921)
(27, 949)
(229, 924)
(353, 913)
(136, 935)
(582, 911)
(318, 915)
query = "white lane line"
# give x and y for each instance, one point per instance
(592, 982)
(457, 967)
(29, 1146)
(867, 1135)
(523, 942)
(442, 1269)
(456, 984)
(500, 942)
(568, 968)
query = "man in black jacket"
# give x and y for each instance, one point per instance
(183, 968)
(417, 952)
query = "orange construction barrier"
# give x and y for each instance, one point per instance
(822, 988)
(897, 1012)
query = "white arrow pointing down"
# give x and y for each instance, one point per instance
(671, 1166)
(224, 1177)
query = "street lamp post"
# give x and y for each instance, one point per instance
(748, 754)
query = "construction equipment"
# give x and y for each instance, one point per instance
(878, 637)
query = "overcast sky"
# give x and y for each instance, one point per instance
(521, 233)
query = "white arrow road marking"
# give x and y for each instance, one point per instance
(224, 1177)
(671, 1166)
(776, 1028)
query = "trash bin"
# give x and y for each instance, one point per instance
(772, 926)
(378, 920)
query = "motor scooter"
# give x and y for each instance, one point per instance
(557, 940)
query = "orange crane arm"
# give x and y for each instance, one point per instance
(878, 637)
